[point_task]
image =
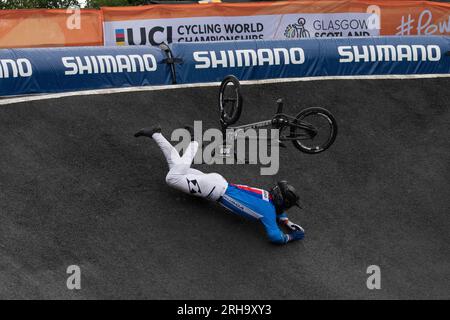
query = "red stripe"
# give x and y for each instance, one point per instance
(258, 191)
(254, 190)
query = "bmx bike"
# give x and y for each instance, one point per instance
(312, 130)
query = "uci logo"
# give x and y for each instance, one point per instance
(131, 36)
(297, 30)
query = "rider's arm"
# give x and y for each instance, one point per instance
(277, 236)
(284, 220)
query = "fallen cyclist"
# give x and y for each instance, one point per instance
(268, 207)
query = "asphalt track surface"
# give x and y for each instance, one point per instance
(77, 188)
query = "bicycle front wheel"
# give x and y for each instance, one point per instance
(321, 133)
(230, 100)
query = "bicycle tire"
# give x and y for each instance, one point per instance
(333, 132)
(233, 115)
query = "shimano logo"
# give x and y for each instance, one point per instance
(109, 64)
(373, 53)
(248, 58)
(15, 68)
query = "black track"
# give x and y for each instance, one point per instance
(77, 188)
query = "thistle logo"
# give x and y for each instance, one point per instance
(297, 30)
(120, 37)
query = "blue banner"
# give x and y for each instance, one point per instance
(313, 57)
(24, 71)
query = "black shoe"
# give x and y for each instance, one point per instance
(147, 132)
(191, 131)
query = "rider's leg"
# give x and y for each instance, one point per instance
(170, 153)
(210, 186)
(190, 152)
(182, 177)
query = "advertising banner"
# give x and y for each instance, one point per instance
(313, 57)
(39, 70)
(24, 71)
(50, 28)
(280, 20)
(215, 22)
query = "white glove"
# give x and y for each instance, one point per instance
(294, 226)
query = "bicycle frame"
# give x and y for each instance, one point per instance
(279, 121)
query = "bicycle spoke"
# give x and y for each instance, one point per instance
(300, 137)
(327, 124)
(303, 125)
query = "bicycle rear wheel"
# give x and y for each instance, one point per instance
(322, 134)
(230, 100)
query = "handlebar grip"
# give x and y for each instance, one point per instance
(280, 105)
